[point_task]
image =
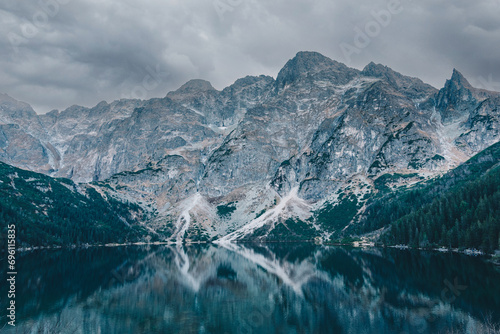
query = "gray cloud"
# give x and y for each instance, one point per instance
(55, 53)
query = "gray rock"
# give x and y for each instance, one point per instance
(261, 152)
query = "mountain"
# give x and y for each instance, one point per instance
(294, 157)
(58, 212)
(461, 217)
(459, 209)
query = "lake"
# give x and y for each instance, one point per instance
(245, 288)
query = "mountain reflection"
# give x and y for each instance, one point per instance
(243, 288)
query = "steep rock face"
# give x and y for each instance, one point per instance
(152, 132)
(262, 154)
(222, 108)
(378, 131)
(482, 126)
(474, 111)
(18, 147)
(23, 139)
(458, 98)
(73, 133)
(414, 88)
(16, 112)
(307, 66)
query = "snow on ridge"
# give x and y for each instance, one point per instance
(447, 134)
(195, 205)
(271, 215)
(184, 219)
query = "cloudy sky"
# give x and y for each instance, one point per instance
(56, 53)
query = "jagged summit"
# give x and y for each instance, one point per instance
(8, 101)
(260, 152)
(458, 79)
(308, 63)
(10, 107)
(250, 79)
(192, 88)
(309, 60)
(457, 97)
(383, 72)
(458, 82)
(196, 85)
(374, 69)
(413, 87)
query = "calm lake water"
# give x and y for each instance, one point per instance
(276, 288)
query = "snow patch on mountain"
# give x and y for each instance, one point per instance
(290, 205)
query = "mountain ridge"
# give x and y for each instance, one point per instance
(322, 130)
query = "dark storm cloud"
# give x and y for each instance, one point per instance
(55, 53)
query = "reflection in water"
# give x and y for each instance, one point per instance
(182, 262)
(242, 288)
(294, 275)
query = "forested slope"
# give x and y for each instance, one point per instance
(48, 211)
(459, 209)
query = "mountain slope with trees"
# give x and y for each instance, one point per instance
(459, 209)
(48, 211)
(314, 145)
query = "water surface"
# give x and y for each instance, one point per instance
(276, 288)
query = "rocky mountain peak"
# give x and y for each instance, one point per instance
(102, 104)
(8, 101)
(459, 80)
(208, 162)
(412, 87)
(383, 72)
(195, 85)
(250, 80)
(307, 63)
(373, 69)
(457, 97)
(10, 107)
(191, 88)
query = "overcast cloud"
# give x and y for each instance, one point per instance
(55, 53)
